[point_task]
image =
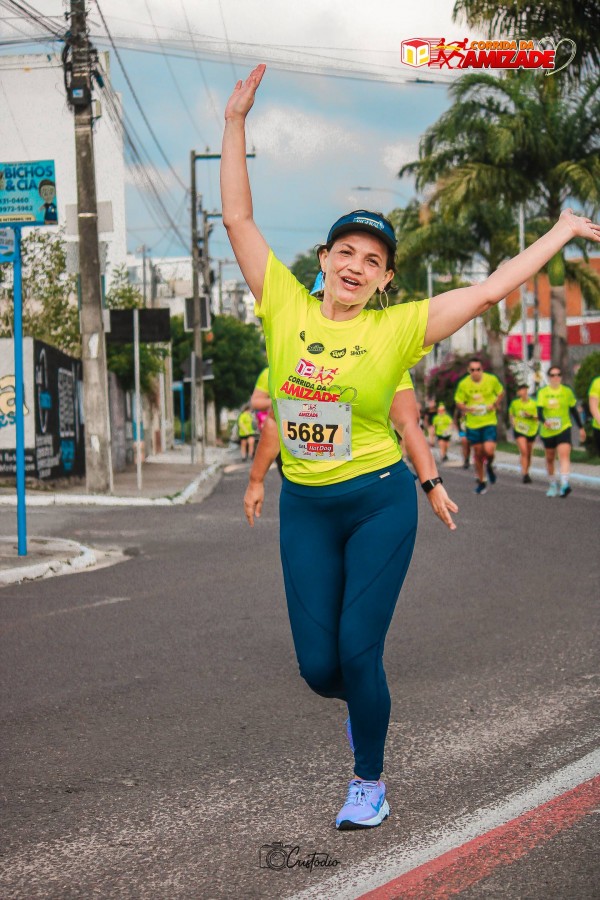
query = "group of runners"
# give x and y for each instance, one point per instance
(335, 376)
(478, 399)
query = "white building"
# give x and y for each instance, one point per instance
(36, 123)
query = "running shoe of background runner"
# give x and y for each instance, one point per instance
(349, 733)
(481, 487)
(365, 806)
(466, 464)
(491, 473)
(552, 490)
(526, 479)
(565, 490)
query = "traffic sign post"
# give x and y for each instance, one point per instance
(27, 197)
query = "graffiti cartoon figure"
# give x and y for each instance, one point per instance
(47, 191)
(7, 401)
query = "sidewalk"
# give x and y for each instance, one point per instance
(581, 473)
(168, 479)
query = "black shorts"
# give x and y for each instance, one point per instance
(444, 437)
(551, 443)
(596, 433)
(529, 438)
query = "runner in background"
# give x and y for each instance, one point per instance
(404, 416)
(442, 425)
(428, 416)
(594, 404)
(524, 420)
(465, 447)
(260, 401)
(556, 403)
(479, 395)
(246, 432)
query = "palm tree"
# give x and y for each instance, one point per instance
(557, 19)
(519, 138)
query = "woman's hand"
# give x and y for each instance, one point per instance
(442, 505)
(253, 500)
(240, 102)
(580, 226)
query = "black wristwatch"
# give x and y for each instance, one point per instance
(431, 483)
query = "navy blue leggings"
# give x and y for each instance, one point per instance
(345, 550)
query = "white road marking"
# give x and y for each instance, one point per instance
(377, 870)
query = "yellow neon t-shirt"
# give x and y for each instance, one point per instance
(442, 424)
(594, 391)
(478, 395)
(524, 424)
(359, 362)
(556, 404)
(262, 382)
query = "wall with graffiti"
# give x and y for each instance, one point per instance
(53, 413)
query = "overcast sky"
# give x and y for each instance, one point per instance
(317, 137)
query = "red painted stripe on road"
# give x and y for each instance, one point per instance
(458, 869)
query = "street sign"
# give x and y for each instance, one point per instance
(188, 313)
(28, 193)
(155, 326)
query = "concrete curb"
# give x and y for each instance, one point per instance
(85, 558)
(103, 500)
(590, 480)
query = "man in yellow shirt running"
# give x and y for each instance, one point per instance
(479, 396)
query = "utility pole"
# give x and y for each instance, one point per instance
(197, 436)
(98, 463)
(199, 432)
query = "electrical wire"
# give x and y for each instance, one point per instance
(202, 75)
(172, 73)
(135, 97)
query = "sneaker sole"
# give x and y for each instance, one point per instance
(348, 825)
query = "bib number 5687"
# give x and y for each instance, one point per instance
(314, 433)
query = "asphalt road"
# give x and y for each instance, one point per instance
(156, 734)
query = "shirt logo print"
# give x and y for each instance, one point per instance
(337, 354)
(315, 348)
(357, 351)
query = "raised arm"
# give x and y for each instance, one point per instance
(250, 248)
(450, 311)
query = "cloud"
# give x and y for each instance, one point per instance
(396, 155)
(292, 134)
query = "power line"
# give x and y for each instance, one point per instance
(170, 68)
(135, 97)
(197, 58)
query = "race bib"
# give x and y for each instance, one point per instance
(554, 424)
(316, 430)
(479, 410)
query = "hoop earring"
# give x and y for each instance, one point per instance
(387, 300)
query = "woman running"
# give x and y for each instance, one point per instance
(523, 416)
(333, 371)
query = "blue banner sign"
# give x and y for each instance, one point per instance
(28, 193)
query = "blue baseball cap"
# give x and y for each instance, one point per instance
(363, 220)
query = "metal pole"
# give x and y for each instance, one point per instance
(19, 397)
(182, 413)
(144, 274)
(136, 362)
(193, 407)
(197, 389)
(163, 411)
(522, 289)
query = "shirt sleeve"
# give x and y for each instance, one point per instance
(405, 383)
(409, 321)
(281, 290)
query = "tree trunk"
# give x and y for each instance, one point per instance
(496, 355)
(558, 317)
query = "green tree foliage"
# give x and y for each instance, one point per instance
(238, 355)
(519, 137)
(306, 268)
(124, 295)
(49, 294)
